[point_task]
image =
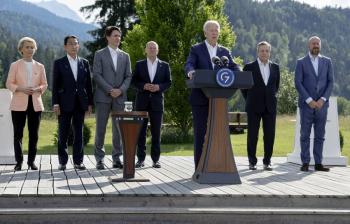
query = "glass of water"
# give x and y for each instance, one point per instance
(127, 106)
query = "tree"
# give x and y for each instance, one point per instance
(175, 26)
(119, 13)
(287, 95)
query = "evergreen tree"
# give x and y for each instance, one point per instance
(176, 26)
(119, 13)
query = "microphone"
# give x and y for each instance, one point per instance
(216, 60)
(225, 61)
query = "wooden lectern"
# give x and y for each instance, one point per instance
(217, 164)
(129, 124)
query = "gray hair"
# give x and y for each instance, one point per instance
(263, 43)
(25, 39)
(210, 22)
(152, 42)
(314, 37)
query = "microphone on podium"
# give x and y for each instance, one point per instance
(216, 60)
(225, 61)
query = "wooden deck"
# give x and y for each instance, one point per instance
(174, 178)
(285, 190)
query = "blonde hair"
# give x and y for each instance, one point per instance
(25, 39)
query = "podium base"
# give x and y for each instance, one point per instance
(216, 178)
(327, 160)
(7, 160)
(122, 179)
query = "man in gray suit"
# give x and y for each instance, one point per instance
(314, 83)
(112, 74)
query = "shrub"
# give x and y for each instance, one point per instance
(343, 106)
(341, 139)
(86, 136)
(172, 135)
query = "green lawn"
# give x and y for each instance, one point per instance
(283, 143)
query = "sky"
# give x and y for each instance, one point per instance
(76, 4)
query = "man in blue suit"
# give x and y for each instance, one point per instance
(71, 99)
(200, 57)
(151, 79)
(314, 83)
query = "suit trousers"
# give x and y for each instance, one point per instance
(102, 113)
(269, 127)
(155, 118)
(200, 118)
(317, 118)
(19, 121)
(75, 119)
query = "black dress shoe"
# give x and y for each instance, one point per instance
(320, 167)
(252, 166)
(32, 166)
(305, 167)
(61, 167)
(100, 166)
(267, 167)
(156, 165)
(18, 167)
(139, 164)
(118, 164)
(80, 166)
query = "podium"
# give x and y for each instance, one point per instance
(129, 124)
(7, 153)
(217, 164)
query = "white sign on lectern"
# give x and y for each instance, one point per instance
(6, 129)
(331, 146)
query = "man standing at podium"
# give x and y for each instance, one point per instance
(151, 78)
(200, 57)
(261, 104)
(314, 83)
(112, 74)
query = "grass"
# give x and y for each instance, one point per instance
(284, 140)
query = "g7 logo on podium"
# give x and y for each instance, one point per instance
(225, 77)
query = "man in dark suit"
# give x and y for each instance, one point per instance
(151, 78)
(71, 99)
(314, 83)
(200, 57)
(261, 104)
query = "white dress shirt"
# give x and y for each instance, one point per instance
(152, 68)
(29, 71)
(314, 61)
(114, 54)
(73, 65)
(212, 51)
(264, 70)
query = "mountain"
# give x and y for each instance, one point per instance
(287, 25)
(62, 25)
(60, 9)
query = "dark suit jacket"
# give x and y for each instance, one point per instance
(262, 96)
(199, 58)
(141, 77)
(65, 88)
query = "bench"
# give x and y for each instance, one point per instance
(237, 122)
